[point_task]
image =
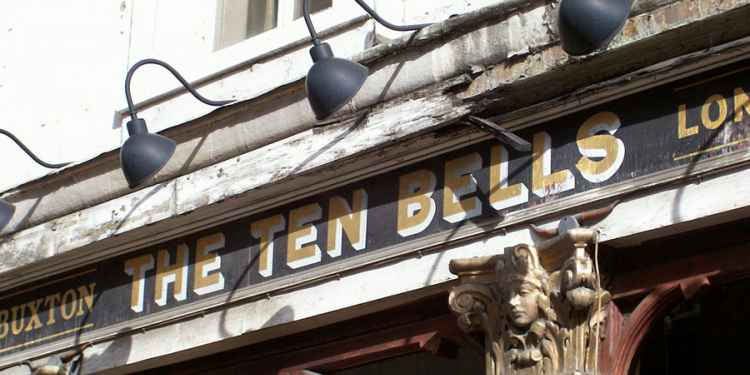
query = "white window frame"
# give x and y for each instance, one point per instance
(287, 32)
(284, 18)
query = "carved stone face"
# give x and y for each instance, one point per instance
(524, 306)
(578, 280)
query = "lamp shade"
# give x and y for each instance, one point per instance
(6, 212)
(332, 82)
(587, 25)
(143, 153)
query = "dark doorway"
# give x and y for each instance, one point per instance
(705, 336)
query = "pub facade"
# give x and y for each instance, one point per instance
(399, 237)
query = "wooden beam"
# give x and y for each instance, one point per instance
(371, 353)
(423, 336)
(733, 263)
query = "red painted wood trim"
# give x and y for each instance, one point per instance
(425, 336)
(612, 333)
(657, 304)
(367, 354)
(733, 263)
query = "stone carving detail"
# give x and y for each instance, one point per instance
(531, 326)
(538, 307)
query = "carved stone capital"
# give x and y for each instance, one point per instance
(539, 308)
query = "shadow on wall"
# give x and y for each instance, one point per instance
(733, 133)
(284, 315)
(108, 355)
(98, 357)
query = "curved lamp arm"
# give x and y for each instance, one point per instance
(131, 107)
(31, 154)
(370, 11)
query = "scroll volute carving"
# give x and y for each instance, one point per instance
(538, 308)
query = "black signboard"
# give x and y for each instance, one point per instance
(649, 132)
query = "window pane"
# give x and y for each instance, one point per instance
(242, 19)
(315, 6)
(262, 16)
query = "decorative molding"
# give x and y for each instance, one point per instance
(538, 307)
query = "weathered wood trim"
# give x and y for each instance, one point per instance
(239, 179)
(109, 215)
(424, 336)
(514, 218)
(205, 140)
(632, 83)
(734, 261)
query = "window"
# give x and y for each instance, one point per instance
(238, 20)
(315, 6)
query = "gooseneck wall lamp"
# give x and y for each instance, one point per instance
(588, 25)
(7, 209)
(585, 26)
(143, 153)
(332, 82)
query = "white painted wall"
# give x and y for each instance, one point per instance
(63, 66)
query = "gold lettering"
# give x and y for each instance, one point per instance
(136, 268)
(85, 296)
(34, 321)
(416, 208)
(352, 221)
(605, 146)
(708, 122)
(458, 183)
(741, 104)
(207, 261)
(683, 131)
(265, 231)
(501, 195)
(543, 181)
(4, 323)
(301, 247)
(166, 274)
(19, 319)
(69, 304)
(50, 303)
